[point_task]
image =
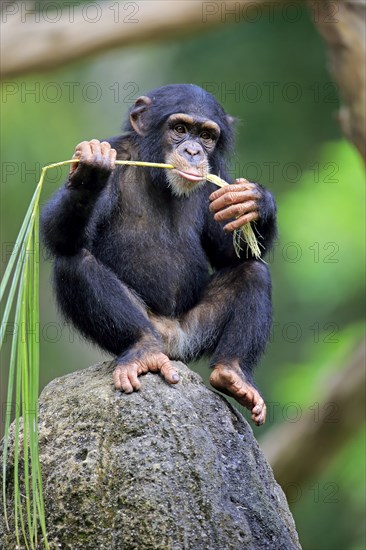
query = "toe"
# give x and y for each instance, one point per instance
(259, 412)
(116, 378)
(168, 371)
(134, 381)
(121, 380)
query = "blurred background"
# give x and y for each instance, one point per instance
(269, 66)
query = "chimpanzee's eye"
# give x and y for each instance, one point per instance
(180, 129)
(205, 135)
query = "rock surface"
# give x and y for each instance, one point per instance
(169, 467)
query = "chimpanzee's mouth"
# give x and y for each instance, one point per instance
(189, 176)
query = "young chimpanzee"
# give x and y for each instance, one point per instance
(144, 258)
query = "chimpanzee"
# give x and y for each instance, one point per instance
(144, 259)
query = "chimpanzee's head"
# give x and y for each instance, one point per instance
(182, 125)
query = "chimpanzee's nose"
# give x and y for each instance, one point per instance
(193, 154)
(192, 151)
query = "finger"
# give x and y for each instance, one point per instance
(121, 380)
(105, 149)
(96, 150)
(74, 165)
(167, 370)
(233, 187)
(233, 198)
(85, 151)
(84, 154)
(235, 211)
(109, 156)
(113, 158)
(236, 224)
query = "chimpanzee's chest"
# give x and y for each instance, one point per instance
(159, 257)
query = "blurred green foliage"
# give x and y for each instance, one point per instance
(271, 76)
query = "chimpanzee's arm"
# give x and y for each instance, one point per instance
(231, 207)
(65, 218)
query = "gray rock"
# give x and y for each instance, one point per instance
(169, 467)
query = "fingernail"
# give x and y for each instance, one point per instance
(175, 377)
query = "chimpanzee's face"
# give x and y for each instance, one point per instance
(188, 141)
(184, 126)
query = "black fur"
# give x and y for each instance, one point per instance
(123, 245)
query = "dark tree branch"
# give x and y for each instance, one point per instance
(74, 35)
(342, 25)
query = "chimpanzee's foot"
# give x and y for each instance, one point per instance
(125, 376)
(231, 381)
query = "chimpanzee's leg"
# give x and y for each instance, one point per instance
(110, 314)
(232, 323)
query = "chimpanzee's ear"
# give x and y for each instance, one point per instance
(138, 118)
(230, 120)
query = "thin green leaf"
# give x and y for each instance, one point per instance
(18, 244)
(14, 374)
(13, 287)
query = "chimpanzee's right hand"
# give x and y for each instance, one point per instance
(97, 160)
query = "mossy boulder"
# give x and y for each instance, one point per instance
(169, 467)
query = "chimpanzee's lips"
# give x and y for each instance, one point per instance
(189, 176)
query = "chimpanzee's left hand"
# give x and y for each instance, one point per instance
(240, 201)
